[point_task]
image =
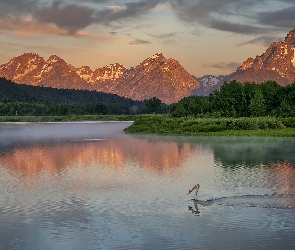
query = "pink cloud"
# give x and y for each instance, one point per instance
(27, 26)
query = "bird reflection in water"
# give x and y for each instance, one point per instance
(194, 210)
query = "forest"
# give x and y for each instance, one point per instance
(26, 100)
(234, 99)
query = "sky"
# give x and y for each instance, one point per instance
(205, 36)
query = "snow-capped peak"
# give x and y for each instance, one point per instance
(53, 59)
(155, 56)
(152, 58)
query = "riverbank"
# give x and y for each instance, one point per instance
(245, 126)
(166, 125)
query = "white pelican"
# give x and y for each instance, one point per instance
(205, 197)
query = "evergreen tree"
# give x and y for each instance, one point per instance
(153, 105)
(257, 104)
(229, 100)
(180, 111)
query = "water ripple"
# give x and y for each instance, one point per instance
(276, 201)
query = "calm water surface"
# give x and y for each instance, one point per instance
(90, 186)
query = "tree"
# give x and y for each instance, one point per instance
(285, 109)
(180, 111)
(195, 105)
(257, 104)
(270, 91)
(229, 100)
(153, 105)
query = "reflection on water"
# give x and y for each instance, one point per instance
(195, 210)
(90, 186)
(114, 153)
(254, 151)
(233, 151)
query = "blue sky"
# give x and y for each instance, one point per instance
(206, 37)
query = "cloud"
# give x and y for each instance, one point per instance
(116, 8)
(223, 65)
(18, 6)
(128, 11)
(30, 17)
(138, 41)
(289, 1)
(236, 27)
(211, 14)
(71, 17)
(163, 5)
(284, 18)
(85, 34)
(249, 17)
(94, 1)
(74, 17)
(22, 26)
(27, 26)
(164, 36)
(237, 16)
(262, 40)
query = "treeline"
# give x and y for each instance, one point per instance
(240, 100)
(20, 99)
(63, 109)
(13, 92)
(231, 100)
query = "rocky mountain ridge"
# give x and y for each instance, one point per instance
(156, 76)
(166, 77)
(277, 63)
(209, 83)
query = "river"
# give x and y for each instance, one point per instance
(88, 185)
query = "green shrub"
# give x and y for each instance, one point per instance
(210, 128)
(190, 125)
(289, 122)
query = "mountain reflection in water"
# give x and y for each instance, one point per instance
(111, 152)
(154, 153)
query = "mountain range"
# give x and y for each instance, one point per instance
(156, 76)
(277, 63)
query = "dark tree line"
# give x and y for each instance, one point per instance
(56, 109)
(240, 100)
(12, 92)
(20, 99)
(231, 100)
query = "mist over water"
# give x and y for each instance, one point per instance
(90, 186)
(59, 130)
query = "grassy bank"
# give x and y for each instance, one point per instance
(166, 125)
(258, 126)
